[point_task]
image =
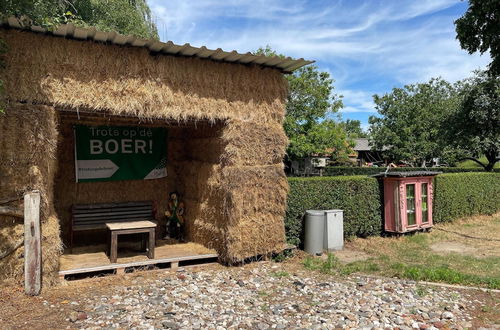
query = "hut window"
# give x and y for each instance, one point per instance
(425, 210)
(410, 204)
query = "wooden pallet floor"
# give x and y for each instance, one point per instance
(90, 259)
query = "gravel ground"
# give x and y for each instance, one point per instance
(266, 296)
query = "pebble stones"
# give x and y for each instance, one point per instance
(254, 297)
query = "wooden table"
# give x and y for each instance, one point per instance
(132, 227)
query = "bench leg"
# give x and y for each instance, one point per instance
(151, 245)
(108, 244)
(113, 253)
(71, 242)
(144, 238)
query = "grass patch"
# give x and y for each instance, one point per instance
(420, 256)
(332, 266)
(284, 255)
(412, 258)
(280, 273)
(421, 291)
(328, 266)
(263, 293)
(445, 274)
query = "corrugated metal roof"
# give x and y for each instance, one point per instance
(286, 64)
(405, 174)
(362, 144)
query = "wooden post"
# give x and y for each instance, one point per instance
(32, 244)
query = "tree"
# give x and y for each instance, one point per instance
(353, 128)
(324, 138)
(474, 128)
(122, 16)
(310, 101)
(411, 120)
(478, 30)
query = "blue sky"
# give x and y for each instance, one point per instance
(368, 46)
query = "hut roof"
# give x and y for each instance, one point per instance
(405, 174)
(285, 64)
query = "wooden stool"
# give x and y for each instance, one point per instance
(133, 227)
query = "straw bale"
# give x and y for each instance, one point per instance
(253, 144)
(203, 130)
(255, 203)
(199, 179)
(11, 231)
(253, 236)
(130, 81)
(238, 177)
(28, 140)
(208, 150)
(201, 191)
(51, 250)
(204, 224)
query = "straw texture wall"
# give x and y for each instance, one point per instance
(128, 81)
(28, 140)
(235, 189)
(229, 173)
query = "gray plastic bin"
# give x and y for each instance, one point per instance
(333, 238)
(314, 231)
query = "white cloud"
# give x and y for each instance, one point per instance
(357, 101)
(369, 48)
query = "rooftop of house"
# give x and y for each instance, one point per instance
(363, 144)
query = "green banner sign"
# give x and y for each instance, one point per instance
(108, 153)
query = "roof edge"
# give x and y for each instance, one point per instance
(71, 31)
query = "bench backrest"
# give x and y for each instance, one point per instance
(92, 214)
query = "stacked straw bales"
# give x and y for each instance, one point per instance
(28, 142)
(225, 153)
(130, 81)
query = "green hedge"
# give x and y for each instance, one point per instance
(459, 195)
(358, 196)
(344, 170)
(456, 195)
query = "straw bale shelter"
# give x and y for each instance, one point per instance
(223, 112)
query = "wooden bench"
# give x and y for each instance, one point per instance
(97, 216)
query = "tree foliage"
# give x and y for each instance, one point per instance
(474, 128)
(353, 128)
(122, 16)
(478, 30)
(411, 120)
(311, 100)
(327, 137)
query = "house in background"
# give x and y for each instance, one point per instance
(363, 153)
(311, 165)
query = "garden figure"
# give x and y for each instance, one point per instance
(175, 218)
